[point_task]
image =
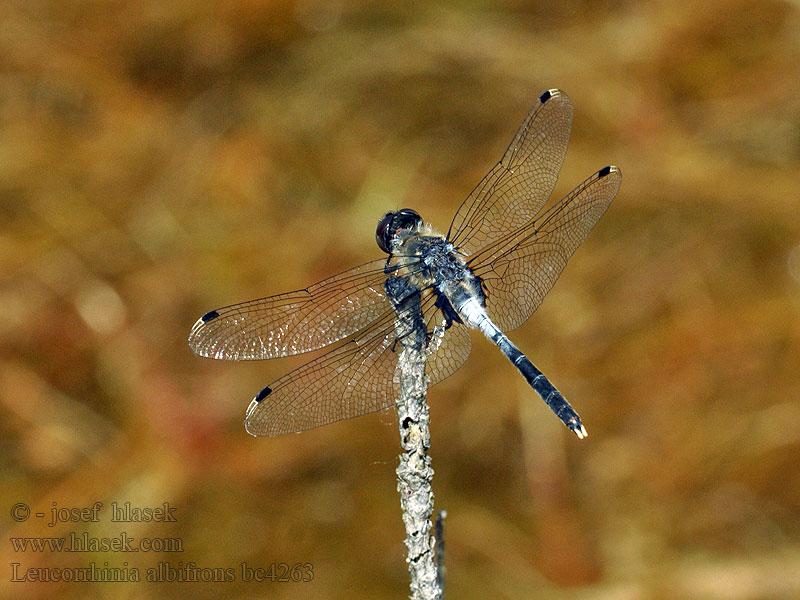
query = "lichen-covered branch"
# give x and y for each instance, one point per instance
(414, 473)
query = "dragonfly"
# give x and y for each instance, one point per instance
(501, 255)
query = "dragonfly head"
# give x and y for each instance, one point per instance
(393, 224)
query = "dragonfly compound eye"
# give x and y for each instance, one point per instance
(392, 223)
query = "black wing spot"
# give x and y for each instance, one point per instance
(545, 97)
(210, 315)
(263, 394)
(603, 172)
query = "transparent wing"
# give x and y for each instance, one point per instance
(353, 379)
(294, 322)
(447, 349)
(518, 186)
(519, 269)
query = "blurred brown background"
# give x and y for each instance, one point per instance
(162, 158)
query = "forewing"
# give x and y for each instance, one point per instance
(520, 269)
(517, 187)
(294, 322)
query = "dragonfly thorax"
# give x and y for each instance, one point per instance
(434, 263)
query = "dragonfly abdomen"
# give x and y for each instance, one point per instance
(475, 314)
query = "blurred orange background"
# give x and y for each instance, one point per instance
(159, 159)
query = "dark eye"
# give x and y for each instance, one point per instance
(381, 233)
(391, 223)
